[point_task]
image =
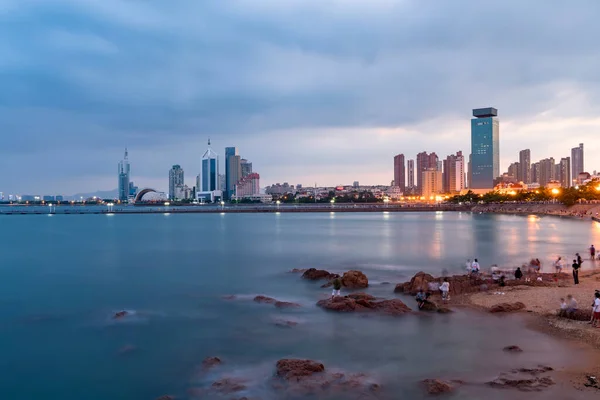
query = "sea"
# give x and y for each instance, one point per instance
(63, 277)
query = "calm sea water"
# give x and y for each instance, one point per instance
(63, 277)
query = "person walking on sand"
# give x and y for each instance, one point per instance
(445, 289)
(337, 287)
(596, 310)
(592, 253)
(558, 265)
(576, 267)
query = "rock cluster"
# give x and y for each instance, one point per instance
(210, 362)
(507, 307)
(437, 386)
(354, 280)
(513, 349)
(279, 304)
(362, 302)
(459, 284)
(314, 274)
(524, 379)
(289, 368)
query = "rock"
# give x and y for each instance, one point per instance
(285, 323)
(535, 384)
(315, 274)
(391, 307)
(361, 296)
(339, 303)
(121, 314)
(444, 310)
(364, 302)
(384, 283)
(419, 281)
(533, 371)
(513, 349)
(326, 285)
(210, 362)
(286, 304)
(229, 297)
(507, 307)
(229, 385)
(436, 386)
(354, 280)
(265, 299)
(429, 305)
(290, 368)
(298, 270)
(459, 284)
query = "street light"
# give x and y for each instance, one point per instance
(110, 206)
(167, 204)
(332, 203)
(50, 205)
(222, 205)
(278, 203)
(386, 200)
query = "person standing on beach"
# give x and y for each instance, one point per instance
(475, 267)
(518, 273)
(596, 310)
(445, 289)
(579, 259)
(337, 286)
(576, 266)
(558, 265)
(592, 253)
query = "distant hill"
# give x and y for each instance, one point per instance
(102, 194)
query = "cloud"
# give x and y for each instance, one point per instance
(324, 91)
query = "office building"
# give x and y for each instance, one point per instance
(246, 167)
(175, 179)
(513, 170)
(453, 173)
(221, 182)
(577, 165)
(469, 173)
(410, 166)
(248, 186)
(399, 172)
(424, 162)
(546, 171)
(485, 148)
(233, 171)
(460, 173)
(535, 172)
(210, 171)
(565, 172)
(525, 166)
(124, 172)
(432, 182)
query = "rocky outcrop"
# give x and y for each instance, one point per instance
(507, 307)
(314, 274)
(265, 299)
(121, 314)
(298, 270)
(291, 368)
(286, 304)
(437, 386)
(420, 281)
(354, 280)
(459, 284)
(362, 302)
(229, 385)
(210, 362)
(534, 384)
(513, 349)
(284, 323)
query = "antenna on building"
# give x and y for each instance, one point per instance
(209, 141)
(126, 153)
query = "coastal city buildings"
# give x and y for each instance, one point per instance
(175, 180)
(245, 167)
(399, 172)
(453, 173)
(424, 162)
(410, 167)
(432, 182)
(207, 184)
(247, 186)
(565, 172)
(124, 171)
(525, 166)
(577, 165)
(233, 171)
(485, 149)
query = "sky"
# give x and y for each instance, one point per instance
(310, 91)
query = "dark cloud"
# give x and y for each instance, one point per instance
(307, 89)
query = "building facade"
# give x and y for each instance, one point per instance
(432, 182)
(233, 171)
(245, 167)
(460, 173)
(546, 171)
(124, 171)
(565, 172)
(513, 170)
(577, 165)
(248, 186)
(525, 166)
(485, 148)
(410, 167)
(175, 179)
(399, 172)
(424, 162)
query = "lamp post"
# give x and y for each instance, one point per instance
(554, 192)
(332, 201)
(278, 203)
(50, 206)
(222, 205)
(110, 206)
(386, 201)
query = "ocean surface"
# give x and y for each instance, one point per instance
(64, 276)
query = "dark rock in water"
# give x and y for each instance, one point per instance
(230, 297)
(290, 368)
(229, 385)
(437, 386)
(282, 323)
(354, 280)
(533, 371)
(507, 307)
(364, 302)
(419, 281)
(286, 304)
(459, 284)
(429, 305)
(535, 384)
(210, 362)
(298, 270)
(265, 299)
(444, 310)
(315, 274)
(513, 349)
(121, 314)
(385, 283)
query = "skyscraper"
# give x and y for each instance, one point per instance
(525, 166)
(565, 172)
(460, 173)
(513, 170)
(485, 148)
(233, 171)
(451, 177)
(432, 182)
(399, 172)
(425, 161)
(535, 172)
(411, 173)
(209, 181)
(546, 171)
(175, 179)
(246, 167)
(124, 176)
(577, 165)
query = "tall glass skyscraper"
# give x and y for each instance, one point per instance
(485, 148)
(124, 176)
(175, 179)
(209, 177)
(577, 162)
(233, 171)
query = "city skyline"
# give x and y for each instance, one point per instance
(298, 99)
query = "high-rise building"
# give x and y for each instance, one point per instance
(175, 179)
(411, 173)
(233, 171)
(124, 176)
(525, 166)
(453, 173)
(485, 148)
(248, 186)
(565, 172)
(209, 181)
(432, 182)
(577, 165)
(513, 170)
(399, 172)
(546, 171)
(460, 173)
(469, 174)
(246, 167)
(535, 172)
(222, 182)
(425, 161)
